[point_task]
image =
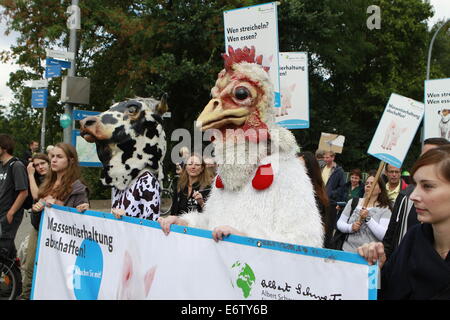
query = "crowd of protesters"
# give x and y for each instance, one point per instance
(395, 219)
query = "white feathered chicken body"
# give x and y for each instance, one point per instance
(261, 189)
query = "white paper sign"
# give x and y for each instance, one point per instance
(256, 26)
(64, 55)
(133, 259)
(294, 110)
(43, 83)
(396, 129)
(437, 109)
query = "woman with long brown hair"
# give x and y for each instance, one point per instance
(419, 269)
(193, 186)
(62, 184)
(320, 194)
(369, 223)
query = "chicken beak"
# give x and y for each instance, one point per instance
(214, 116)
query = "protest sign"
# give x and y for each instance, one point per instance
(331, 142)
(437, 109)
(294, 110)
(95, 256)
(256, 26)
(87, 152)
(396, 129)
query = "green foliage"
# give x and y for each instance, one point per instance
(150, 47)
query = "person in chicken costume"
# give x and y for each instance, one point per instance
(261, 189)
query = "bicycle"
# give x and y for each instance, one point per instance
(10, 276)
(166, 196)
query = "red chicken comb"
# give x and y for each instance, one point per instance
(242, 55)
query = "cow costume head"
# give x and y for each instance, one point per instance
(129, 139)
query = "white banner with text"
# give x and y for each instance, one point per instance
(93, 255)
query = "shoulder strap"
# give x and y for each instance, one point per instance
(353, 206)
(13, 162)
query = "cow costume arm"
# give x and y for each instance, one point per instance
(150, 197)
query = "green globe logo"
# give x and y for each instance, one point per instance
(245, 278)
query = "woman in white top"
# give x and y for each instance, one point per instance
(366, 224)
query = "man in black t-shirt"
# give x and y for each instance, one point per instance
(13, 192)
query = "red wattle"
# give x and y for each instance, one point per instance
(219, 183)
(263, 177)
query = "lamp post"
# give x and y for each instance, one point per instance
(428, 64)
(73, 23)
(431, 47)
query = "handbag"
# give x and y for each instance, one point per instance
(338, 239)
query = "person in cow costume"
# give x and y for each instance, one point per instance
(131, 145)
(261, 189)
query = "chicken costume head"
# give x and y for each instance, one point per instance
(261, 188)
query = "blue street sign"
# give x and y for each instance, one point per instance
(81, 114)
(53, 70)
(62, 63)
(39, 98)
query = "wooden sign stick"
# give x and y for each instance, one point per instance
(375, 181)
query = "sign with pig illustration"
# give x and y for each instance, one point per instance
(396, 129)
(294, 110)
(94, 256)
(437, 106)
(256, 26)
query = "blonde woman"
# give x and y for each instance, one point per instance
(193, 187)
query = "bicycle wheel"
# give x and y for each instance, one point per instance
(166, 202)
(10, 281)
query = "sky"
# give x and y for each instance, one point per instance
(441, 8)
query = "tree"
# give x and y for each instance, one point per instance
(150, 47)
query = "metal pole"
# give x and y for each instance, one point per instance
(428, 69)
(68, 108)
(44, 112)
(431, 48)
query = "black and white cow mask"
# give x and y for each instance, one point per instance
(129, 139)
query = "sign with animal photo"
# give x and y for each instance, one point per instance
(294, 110)
(331, 142)
(396, 129)
(93, 255)
(256, 26)
(437, 109)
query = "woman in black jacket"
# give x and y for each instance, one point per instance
(419, 269)
(320, 194)
(193, 187)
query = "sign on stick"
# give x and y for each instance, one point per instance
(396, 129)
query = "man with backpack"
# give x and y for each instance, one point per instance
(13, 192)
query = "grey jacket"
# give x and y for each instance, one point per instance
(79, 195)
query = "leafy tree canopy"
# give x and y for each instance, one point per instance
(150, 47)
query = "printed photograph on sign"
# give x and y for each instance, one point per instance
(331, 142)
(256, 26)
(396, 129)
(294, 110)
(437, 109)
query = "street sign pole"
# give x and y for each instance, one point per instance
(44, 112)
(73, 24)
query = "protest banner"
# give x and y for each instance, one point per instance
(396, 130)
(87, 152)
(331, 142)
(133, 259)
(256, 26)
(437, 109)
(294, 110)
